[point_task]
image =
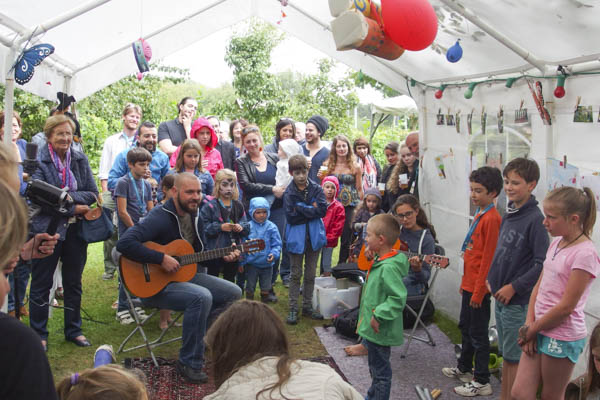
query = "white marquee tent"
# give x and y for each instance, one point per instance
(502, 39)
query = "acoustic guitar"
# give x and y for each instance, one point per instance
(145, 280)
(434, 260)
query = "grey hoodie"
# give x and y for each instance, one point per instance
(520, 252)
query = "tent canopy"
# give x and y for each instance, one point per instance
(93, 39)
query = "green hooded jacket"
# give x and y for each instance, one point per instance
(384, 295)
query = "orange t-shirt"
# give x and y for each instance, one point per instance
(479, 254)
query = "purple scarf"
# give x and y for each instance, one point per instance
(64, 173)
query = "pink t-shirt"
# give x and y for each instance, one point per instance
(554, 283)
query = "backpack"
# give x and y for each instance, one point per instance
(346, 322)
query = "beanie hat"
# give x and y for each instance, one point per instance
(320, 122)
(334, 180)
(374, 192)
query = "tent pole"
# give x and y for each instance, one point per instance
(8, 97)
(490, 30)
(54, 22)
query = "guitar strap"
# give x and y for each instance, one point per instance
(421, 241)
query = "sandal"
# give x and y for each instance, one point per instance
(124, 317)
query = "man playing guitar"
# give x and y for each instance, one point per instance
(179, 218)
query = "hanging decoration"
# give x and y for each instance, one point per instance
(470, 122)
(358, 26)
(449, 118)
(29, 59)
(582, 113)
(521, 116)
(559, 92)
(501, 119)
(142, 53)
(454, 53)
(538, 98)
(440, 117)
(483, 120)
(440, 92)
(412, 24)
(457, 121)
(469, 91)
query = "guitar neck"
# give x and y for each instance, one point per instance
(410, 254)
(208, 255)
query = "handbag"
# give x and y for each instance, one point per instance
(96, 224)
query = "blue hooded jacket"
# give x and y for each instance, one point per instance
(212, 219)
(267, 231)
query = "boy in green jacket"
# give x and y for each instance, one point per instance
(383, 299)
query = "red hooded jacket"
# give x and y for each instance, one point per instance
(215, 162)
(336, 215)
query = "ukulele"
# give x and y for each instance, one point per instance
(434, 260)
(145, 280)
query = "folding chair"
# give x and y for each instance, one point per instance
(139, 327)
(439, 250)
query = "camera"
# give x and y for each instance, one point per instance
(41, 196)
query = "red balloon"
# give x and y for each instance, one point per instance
(559, 92)
(412, 24)
(439, 94)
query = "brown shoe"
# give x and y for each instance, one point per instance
(24, 311)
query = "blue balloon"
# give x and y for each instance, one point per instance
(454, 53)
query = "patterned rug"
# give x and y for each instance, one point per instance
(164, 383)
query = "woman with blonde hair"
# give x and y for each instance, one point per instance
(109, 381)
(260, 367)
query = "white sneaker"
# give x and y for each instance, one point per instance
(455, 373)
(473, 388)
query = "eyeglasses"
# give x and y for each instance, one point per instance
(405, 215)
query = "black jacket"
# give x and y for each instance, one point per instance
(246, 176)
(227, 150)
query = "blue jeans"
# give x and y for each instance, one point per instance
(380, 370)
(261, 274)
(202, 295)
(473, 325)
(73, 253)
(326, 254)
(20, 277)
(277, 217)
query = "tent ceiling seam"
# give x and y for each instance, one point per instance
(156, 32)
(454, 5)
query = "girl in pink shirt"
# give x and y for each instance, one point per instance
(554, 333)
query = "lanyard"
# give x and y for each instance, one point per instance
(141, 203)
(474, 225)
(129, 140)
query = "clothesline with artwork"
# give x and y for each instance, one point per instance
(561, 173)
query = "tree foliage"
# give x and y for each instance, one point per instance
(259, 95)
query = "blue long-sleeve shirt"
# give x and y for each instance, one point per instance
(159, 167)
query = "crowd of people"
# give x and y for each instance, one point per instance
(302, 197)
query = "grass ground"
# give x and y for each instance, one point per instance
(101, 327)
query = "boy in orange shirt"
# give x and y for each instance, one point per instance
(478, 252)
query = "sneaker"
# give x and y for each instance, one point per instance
(190, 374)
(104, 355)
(473, 388)
(456, 373)
(309, 312)
(292, 318)
(108, 276)
(59, 294)
(124, 317)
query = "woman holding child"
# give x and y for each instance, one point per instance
(256, 173)
(62, 167)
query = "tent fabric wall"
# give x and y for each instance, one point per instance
(447, 200)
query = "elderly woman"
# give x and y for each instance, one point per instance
(256, 176)
(63, 167)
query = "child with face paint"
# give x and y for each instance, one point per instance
(225, 222)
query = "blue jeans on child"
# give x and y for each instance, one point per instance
(261, 274)
(473, 325)
(326, 254)
(380, 370)
(20, 277)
